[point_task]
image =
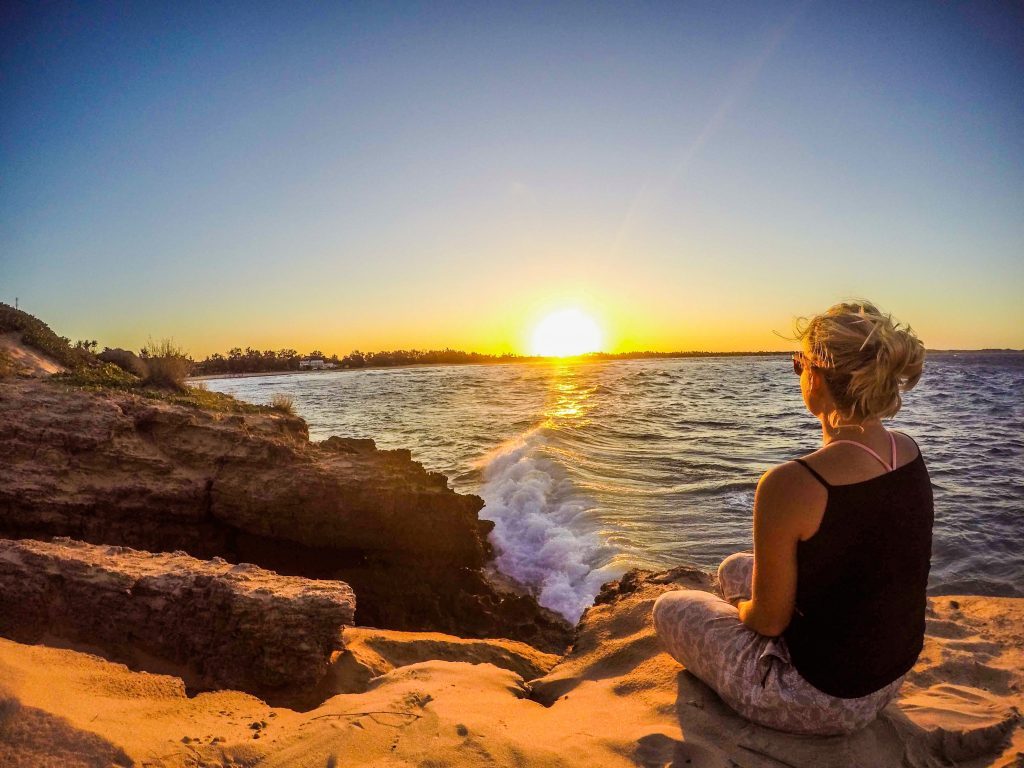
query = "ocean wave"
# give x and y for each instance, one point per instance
(542, 535)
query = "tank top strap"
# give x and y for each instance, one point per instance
(904, 434)
(818, 477)
(892, 442)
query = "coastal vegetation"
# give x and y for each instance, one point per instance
(167, 365)
(107, 376)
(283, 402)
(158, 373)
(252, 360)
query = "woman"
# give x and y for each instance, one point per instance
(821, 624)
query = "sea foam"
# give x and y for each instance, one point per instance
(543, 536)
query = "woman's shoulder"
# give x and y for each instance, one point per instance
(789, 481)
(790, 496)
(788, 475)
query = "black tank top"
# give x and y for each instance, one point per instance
(861, 581)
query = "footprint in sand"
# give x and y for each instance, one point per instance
(657, 750)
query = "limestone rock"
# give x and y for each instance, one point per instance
(222, 625)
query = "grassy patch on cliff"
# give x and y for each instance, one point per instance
(102, 376)
(283, 403)
(200, 397)
(108, 377)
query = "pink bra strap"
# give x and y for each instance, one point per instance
(892, 445)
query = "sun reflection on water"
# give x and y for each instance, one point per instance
(568, 402)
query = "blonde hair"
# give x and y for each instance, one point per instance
(866, 357)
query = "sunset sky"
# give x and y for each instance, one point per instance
(341, 176)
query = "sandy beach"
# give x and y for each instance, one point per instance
(426, 699)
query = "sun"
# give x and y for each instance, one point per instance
(565, 333)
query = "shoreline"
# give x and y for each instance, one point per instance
(565, 360)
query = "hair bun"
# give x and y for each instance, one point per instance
(869, 358)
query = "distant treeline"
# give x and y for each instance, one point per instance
(252, 360)
(255, 361)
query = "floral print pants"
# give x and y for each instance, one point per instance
(752, 673)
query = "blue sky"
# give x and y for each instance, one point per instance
(387, 175)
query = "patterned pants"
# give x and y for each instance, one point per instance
(752, 673)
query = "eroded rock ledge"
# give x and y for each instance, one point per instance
(117, 468)
(222, 625)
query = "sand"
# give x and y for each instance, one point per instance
(431, 700)
(27, 360)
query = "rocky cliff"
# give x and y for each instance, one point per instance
(118, 468)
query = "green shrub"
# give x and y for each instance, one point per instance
(283, 403)
(168, 372)
(167, 365)
(101, 376)
(125, 360)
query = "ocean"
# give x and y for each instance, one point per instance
(591, 468)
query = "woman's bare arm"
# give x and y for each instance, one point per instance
(783, 510)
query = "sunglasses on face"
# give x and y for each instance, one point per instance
(802, 362)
